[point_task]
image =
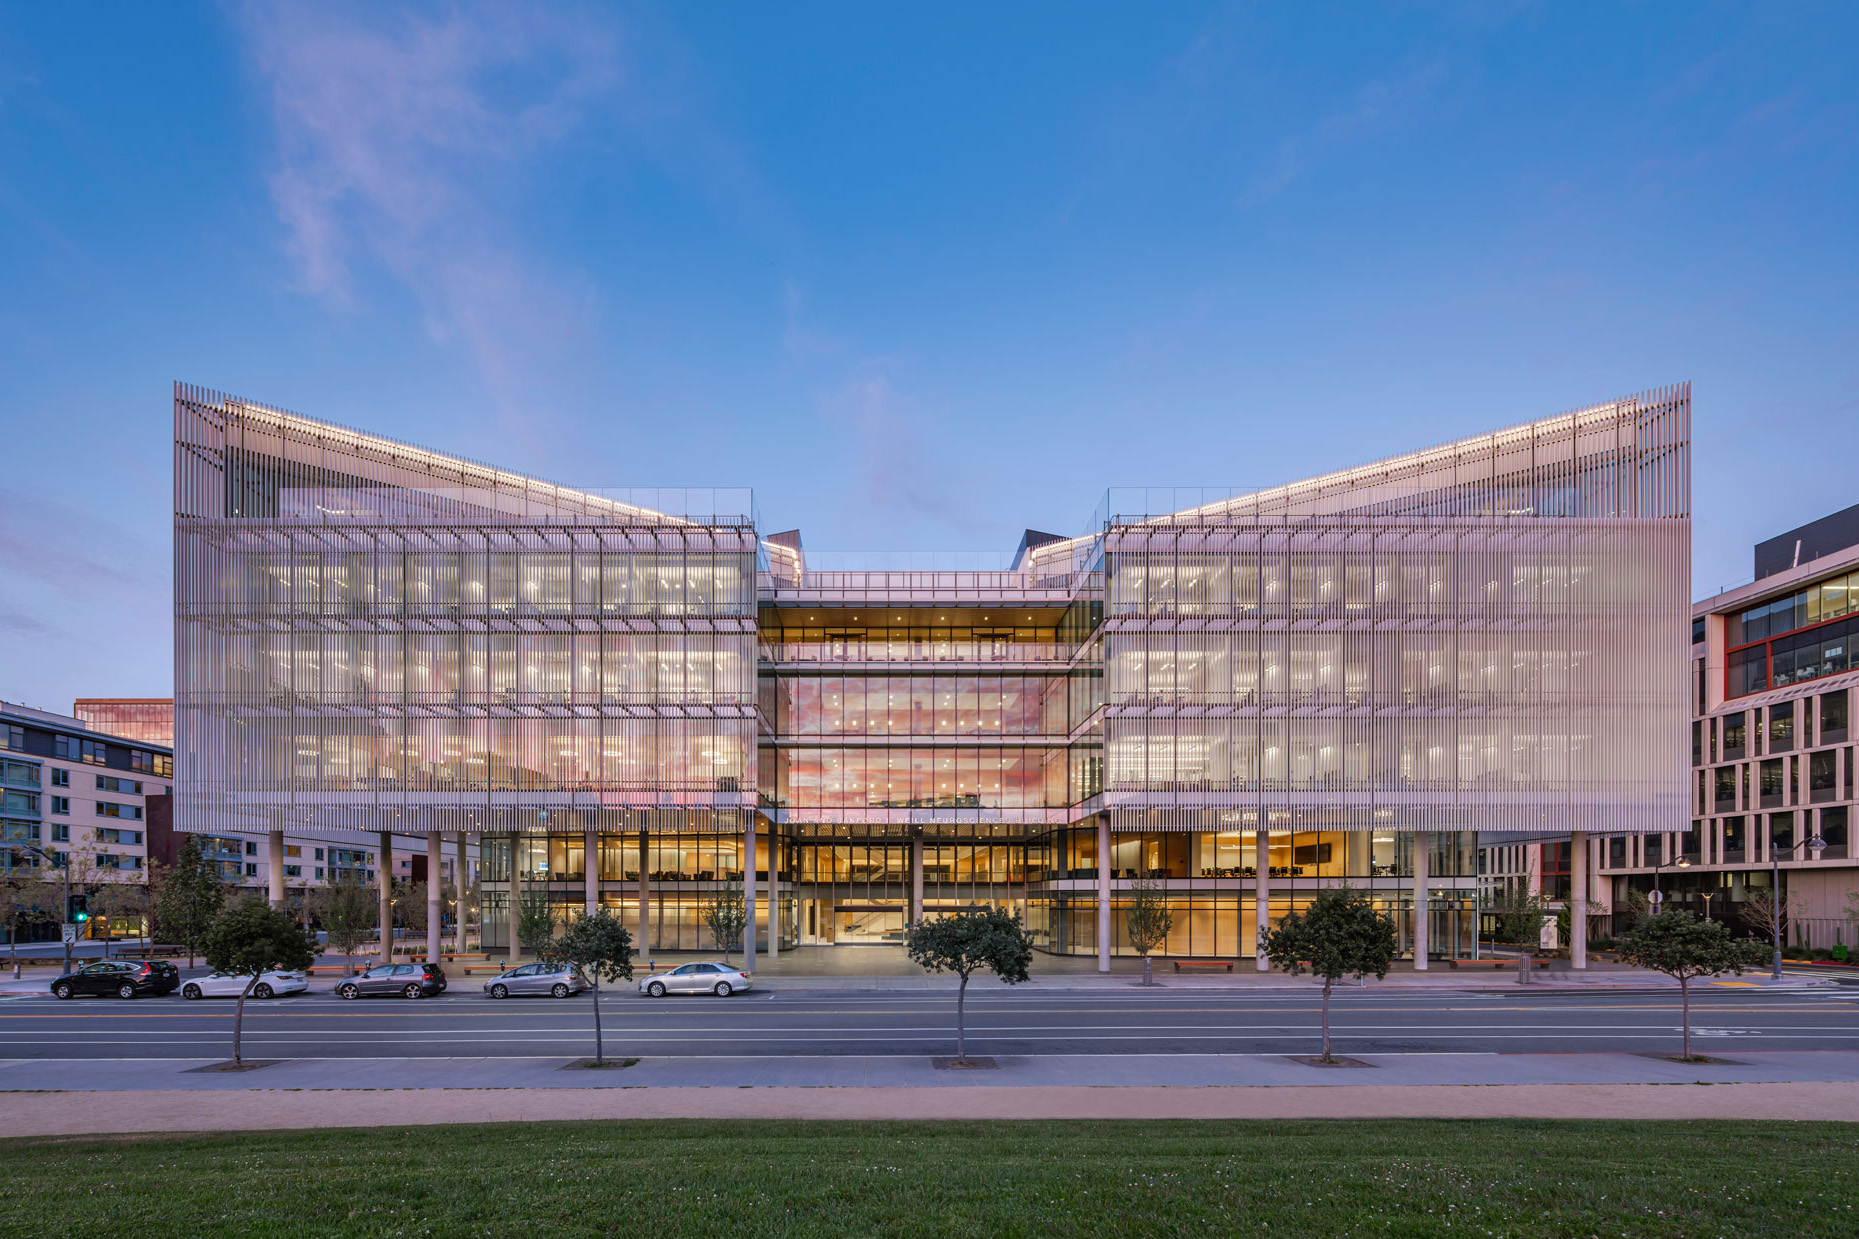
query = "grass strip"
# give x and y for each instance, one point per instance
(1475, 1177)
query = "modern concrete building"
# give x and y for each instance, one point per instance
(1773, 669)
(79, 796)
(637, 699)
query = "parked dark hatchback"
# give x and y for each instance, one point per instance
(125, 978)
(407, 980)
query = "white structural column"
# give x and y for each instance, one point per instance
(590, 869)
(385, 880)
(645, 902)
(275, 847)
(435, 894)
(748, 897)
(461, 887)
(1103, 892)
(1578, 899)
(1261, 895)
(916, 878)
(516, 895)
(1423, 848)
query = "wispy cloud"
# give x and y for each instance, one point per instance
(54, 544)
(398, 138)
(19, 624)
(1375, 108)
(898, 451)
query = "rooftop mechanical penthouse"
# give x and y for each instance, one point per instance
(633, 699)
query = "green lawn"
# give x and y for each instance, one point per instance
(661, 1179)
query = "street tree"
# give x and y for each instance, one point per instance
(1680, 945)
(1147, 920)
(188, 896)
(600, 947)
(726, 915)
(535, 921)
(120, 902)
(251, 938)
(1341, 933)
(1521, 914)
(1759, 910)
(22, 895)
(347, 910)
(965, 943)
(409, 902)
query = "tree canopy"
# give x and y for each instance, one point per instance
(347, 910)
(600, 946)
(726, 914)
(1339, 934)
(535, 921)
(1681, 946)
(1147, 920)
(188, 896)
(252, 937)
(966, 942)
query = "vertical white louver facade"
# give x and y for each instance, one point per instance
(373, 637)
(1487, 636)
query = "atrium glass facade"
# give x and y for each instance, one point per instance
(1245, 699)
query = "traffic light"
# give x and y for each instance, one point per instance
(77, 913)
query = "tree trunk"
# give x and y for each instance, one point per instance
(238, 1021)
(1326, 1021)
(600, 1047)
(961, 1037)
(1684, 998)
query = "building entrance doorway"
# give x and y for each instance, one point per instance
(869, 924)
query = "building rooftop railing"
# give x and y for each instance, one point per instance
(916, 652)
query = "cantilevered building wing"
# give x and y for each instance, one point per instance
(374, 637)
(1485, 636)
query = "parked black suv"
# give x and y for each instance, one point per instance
(126, 978)
(407, 980)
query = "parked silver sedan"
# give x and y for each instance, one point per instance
(718, 979)
(557, 980)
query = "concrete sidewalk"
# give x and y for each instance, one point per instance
(79, 1114)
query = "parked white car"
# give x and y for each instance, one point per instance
(232, 984)
(719, 979)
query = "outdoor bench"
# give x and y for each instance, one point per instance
(1476, 963)
(1203, 963)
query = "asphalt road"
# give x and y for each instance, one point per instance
(1081, 1021)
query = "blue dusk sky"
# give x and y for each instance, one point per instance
(922, 276)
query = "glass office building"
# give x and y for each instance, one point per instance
(636, 699)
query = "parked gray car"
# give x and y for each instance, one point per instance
(718, 979)
(557, 980)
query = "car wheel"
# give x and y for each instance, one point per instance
(412, 991)
(500, 991)
(656, 989)
(261, 991)
(347, 991)
(560, 990)
(62, 991)
(723, 989)
(191, 992)
(126, 991)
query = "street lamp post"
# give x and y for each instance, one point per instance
(51, 860)
(1815, 845)
(1681, 863)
